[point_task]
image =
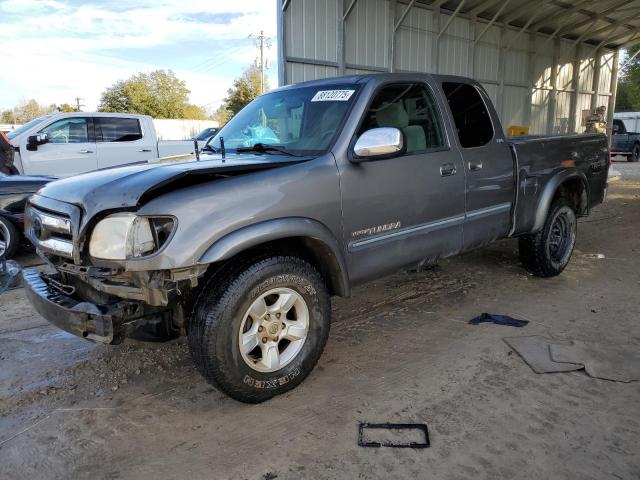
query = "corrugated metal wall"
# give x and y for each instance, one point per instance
(530, 78)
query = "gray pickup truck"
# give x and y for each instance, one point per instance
(625, 143)
(309, 190)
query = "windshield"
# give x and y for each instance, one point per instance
(302, 121)
(25, 127)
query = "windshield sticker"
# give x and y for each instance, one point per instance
(332, 96)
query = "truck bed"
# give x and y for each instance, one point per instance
(538, 158)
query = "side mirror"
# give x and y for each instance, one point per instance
(378, 143)
(34, 140)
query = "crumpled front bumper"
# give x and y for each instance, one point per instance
(80, 318)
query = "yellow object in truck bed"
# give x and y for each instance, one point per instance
(514, 130)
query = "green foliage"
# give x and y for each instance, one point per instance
(25, 112)
(244, 89)
(222, 115)
(65, 107)
(628, 94)
(159, 94)
(7, 117)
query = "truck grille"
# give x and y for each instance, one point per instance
(51, 233)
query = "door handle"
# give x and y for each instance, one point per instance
(447, 169)
(84, 150)
(144, 150)
(474, 167)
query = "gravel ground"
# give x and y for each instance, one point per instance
(400, 350)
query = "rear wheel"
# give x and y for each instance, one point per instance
(635, 154)
(547, 252)
(9, 239)
(259, 332)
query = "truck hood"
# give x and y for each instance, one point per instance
(131, 186)
(12, 184)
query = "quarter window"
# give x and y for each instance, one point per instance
(411, 109)
(469, 113)
(69, 130)
(113, 129)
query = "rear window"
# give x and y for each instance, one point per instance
(469, 113)
(112, 129)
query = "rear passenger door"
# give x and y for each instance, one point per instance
(122, 141)
(487, 161)
(400, 210)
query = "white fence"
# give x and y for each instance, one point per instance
(181, 129)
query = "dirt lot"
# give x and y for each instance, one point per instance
(400, 351)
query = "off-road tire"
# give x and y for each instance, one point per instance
(11, 236)
(218, 312)
(535, 253)
(635, 153)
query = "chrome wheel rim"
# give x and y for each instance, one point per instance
(273, 330)
(561, 238)
(5, 239)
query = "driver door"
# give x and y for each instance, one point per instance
(401, 210)
(70, 149)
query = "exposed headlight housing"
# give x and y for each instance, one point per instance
(126, 235)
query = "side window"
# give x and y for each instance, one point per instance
(411, 109)
(69, 130)
(469, 114)
(113, 129)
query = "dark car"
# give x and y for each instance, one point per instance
(206, 134)
(14, 191)
(624, 142)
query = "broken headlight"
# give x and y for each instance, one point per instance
(125, 235)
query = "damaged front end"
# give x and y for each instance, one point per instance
(97, 299)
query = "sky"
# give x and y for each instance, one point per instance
(54, 51)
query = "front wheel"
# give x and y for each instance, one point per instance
(547, 252)
(259, 332)
(9, 239)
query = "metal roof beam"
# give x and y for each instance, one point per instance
(524, 8)
(593, 16)
(593, 34)
(404, 15)
(495, 17)
(613, 39)
(563, 11)
(631, 43)
(483, 6)
(451, 17)
(570, 13)
(348, 10)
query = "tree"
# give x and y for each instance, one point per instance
(27, 111)
(244, 89)
(628, 94)
(222, 115)
(159, 94)
(7, 117)
(65, 107)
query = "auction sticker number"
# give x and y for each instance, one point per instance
(332, 96)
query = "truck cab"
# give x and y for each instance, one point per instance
(66, 144)
(624, 142)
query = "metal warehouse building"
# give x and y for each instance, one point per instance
(542, 61)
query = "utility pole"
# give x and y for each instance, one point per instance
(78, 104)
(261, 42)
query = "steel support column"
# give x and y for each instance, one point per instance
(613, 89)
(551, 117)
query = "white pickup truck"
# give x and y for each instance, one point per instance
(65, 144)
